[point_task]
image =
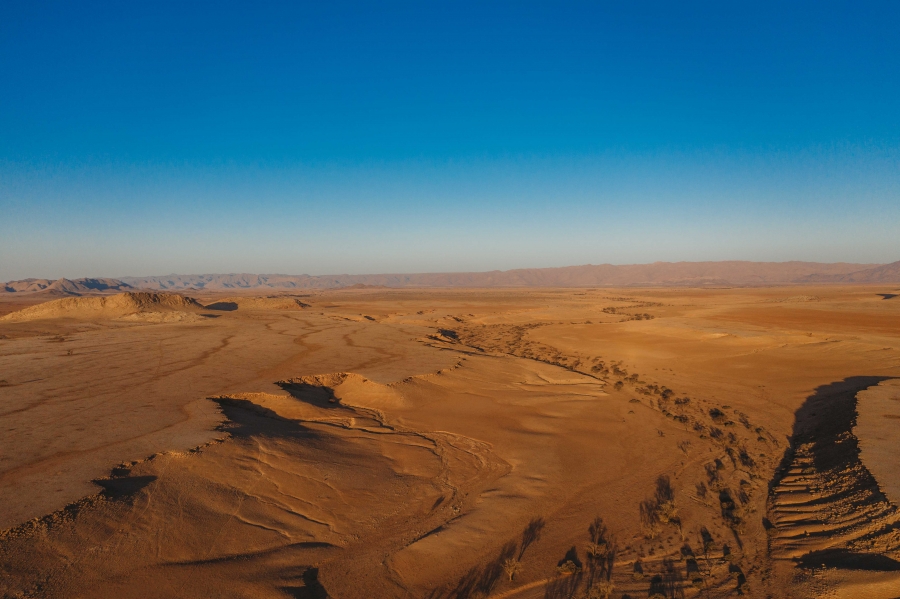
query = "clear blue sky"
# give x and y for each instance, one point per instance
(328, 137)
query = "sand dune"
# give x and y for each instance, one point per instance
(412, 451)
(134, 306)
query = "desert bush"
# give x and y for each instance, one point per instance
(597, 551)
(511, 567)
(567, 568)
(601, 590)
(667, 512)
(730, 512)
(707, 546)
(660, 510)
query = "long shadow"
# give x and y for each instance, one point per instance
(119, 487)
(669, 582)
(316, 395)
(843, 559)
(247, 419)
(825, 422)
(311, 589)
(479, 581)
(825, 418)
(223, 306)
(531, 534)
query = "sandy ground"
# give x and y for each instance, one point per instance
(878, 428)
(412, 443)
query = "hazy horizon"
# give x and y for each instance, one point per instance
(409, 139)
(128, 277)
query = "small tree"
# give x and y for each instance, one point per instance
(597, 551)
(511, 567)
(667, 511)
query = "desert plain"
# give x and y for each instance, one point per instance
(452, 443)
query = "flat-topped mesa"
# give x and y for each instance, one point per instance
(122, 305)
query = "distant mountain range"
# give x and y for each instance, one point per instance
(887, 273)
(658, 274)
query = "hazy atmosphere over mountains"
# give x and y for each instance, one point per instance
(657, 274)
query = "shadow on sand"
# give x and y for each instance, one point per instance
(823, 432)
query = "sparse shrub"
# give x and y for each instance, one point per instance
(567, 568)
(511, 567)
(730, 512)
(667, 511)
(660, 510)
(600, 590)
(597, 551)
(707, 547)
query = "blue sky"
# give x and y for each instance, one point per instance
(397, 137)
